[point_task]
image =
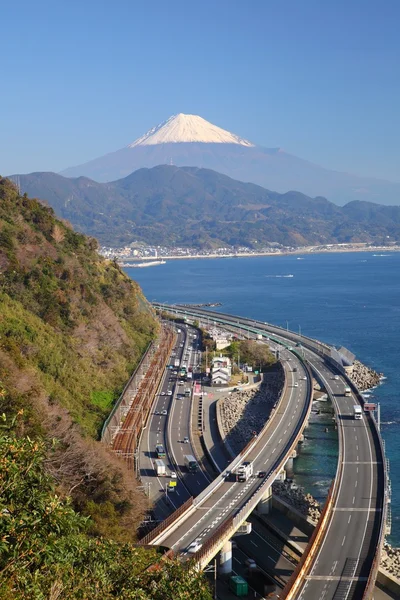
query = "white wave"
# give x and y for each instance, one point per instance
(279, 276)
(381, 255)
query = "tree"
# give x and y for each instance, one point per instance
(45, 551)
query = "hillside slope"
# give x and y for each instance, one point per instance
(188, 206)
(72, 329)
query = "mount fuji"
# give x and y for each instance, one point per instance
(190, 140)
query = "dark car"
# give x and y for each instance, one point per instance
(262, 474)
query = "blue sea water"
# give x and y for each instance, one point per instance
(349, 299)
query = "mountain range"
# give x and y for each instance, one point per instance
(189, 206)
(190, 140)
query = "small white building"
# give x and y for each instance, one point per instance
(221, 370)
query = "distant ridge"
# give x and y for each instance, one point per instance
(188, 206)
(189, 140)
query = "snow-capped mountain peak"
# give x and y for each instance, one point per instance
(188, 128)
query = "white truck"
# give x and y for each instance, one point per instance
(357, 411)
(160, 467)
(189, 375)
(177, 362)
(244, 471)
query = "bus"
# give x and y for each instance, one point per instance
(191, 463)
(160, 451)
(182, 373)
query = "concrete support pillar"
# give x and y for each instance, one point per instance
(289, 467)
(265, 504)
(225, 559)
(289, 464)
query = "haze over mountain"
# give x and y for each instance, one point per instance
(189, 140)
(188, 206)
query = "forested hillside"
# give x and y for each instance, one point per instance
(72, 329)
(188, 206)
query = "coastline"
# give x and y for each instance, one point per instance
(299, 251)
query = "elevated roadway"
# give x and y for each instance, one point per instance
(344, 555)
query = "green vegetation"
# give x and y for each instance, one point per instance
(73, 327)
(46, 552)
(71, 319)
(259, 356)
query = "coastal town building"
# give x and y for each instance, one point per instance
(221, 370)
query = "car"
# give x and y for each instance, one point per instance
(194, 546)
(173, 475)
(304, 378)
(185, 440)
(296, 384)
(169, 393)
(157, 412)
(261, 474)
(250, 563)
(164, 412)
(162, 393)
(336, 377)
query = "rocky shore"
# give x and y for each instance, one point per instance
(364, 377)
(390, 560)
(245, 412)
(294, 496)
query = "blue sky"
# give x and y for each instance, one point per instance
(320, 79)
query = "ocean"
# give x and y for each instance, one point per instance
(349, 299)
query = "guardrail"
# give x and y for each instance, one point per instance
(164, 525)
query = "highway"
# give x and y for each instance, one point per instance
(225, 497)
(170, 430)
(344, 559)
